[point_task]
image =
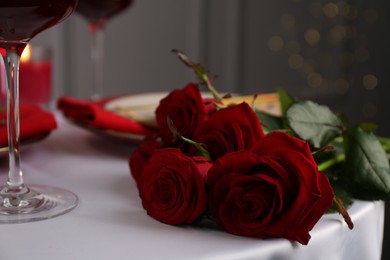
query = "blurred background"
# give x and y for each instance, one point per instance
(334, 52)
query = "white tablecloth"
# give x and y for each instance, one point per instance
(110, 223)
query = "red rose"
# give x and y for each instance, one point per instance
(140, 157)
(229, 129)
(172, 186)
(275, 190)
(186, 109)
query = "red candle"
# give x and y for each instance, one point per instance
(35, 75)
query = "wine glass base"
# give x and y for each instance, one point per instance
(38, 203)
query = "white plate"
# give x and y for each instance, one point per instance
(141, 108)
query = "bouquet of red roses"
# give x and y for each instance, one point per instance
(248, 172)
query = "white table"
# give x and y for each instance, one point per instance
(110, 223)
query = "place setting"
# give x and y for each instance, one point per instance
(132, 117)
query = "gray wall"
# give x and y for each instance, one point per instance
(233, 39)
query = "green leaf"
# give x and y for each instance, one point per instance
(367, 170)
(285, 100)
(314, 123)
(269, 122)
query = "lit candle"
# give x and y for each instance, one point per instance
(35, 75)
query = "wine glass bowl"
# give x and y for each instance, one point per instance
(20, 21)
(97, 13)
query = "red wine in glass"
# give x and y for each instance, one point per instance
(97, 13)
(20, 21)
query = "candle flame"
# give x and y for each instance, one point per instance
(26, 54)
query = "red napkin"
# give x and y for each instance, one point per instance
(34, 123)
(92, 113)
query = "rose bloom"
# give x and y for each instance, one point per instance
(274, 190)
(140, 157)
(172, 186)
(229, 129)
(186, 109)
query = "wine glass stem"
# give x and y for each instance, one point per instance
(97, 57)
(15, 176)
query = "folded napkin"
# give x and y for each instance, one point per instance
(34, 123)
(93, 113)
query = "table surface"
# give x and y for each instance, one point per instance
(109, 221)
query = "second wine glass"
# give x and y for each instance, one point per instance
(97, 13)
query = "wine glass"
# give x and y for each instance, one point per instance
(20, 21)
(97, 13)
